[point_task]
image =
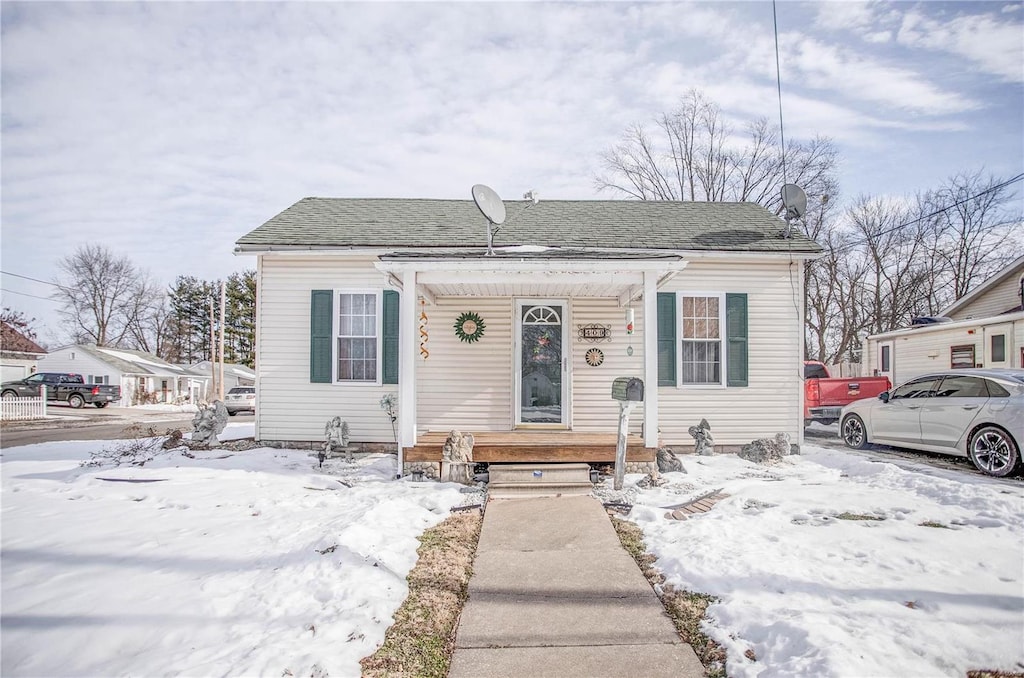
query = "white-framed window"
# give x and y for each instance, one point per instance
(357, 332)
(98, 379)
(701, 348)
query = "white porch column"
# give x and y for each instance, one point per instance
(407, 365)
(650, 359)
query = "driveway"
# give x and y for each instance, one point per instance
(66, 423)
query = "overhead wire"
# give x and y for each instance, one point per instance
(937, 212)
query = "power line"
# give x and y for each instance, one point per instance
(4, 289)
(958, 203)
(45, 282)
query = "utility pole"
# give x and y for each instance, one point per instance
(223, 303)
(213, 356)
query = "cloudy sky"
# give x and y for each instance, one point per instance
(165, 131)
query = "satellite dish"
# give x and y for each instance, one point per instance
(488, 202)
(795, 201)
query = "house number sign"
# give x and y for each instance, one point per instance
(594, 333)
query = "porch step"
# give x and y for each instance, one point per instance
(538, 480)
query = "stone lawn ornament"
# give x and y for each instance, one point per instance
(652, 479)
(335, 440)
(766, 450)
(208, 423)
(668, 461)
(457, 455)
(703, 442)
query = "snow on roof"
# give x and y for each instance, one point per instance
(139, 360)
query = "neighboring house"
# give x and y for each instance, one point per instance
(234, 375)
(986, 330)
(18, 354)
(143, 377)
(358, 298)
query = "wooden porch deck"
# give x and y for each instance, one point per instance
(534, 446)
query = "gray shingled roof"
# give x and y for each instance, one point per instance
(415, 223)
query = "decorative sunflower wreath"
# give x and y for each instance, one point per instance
(469, 327)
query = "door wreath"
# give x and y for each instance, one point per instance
(469, 327)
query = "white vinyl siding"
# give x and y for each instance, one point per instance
(992, 302)
(593, 410)
(926, 349)
(290, 407)
(771, 403)
(462, 385)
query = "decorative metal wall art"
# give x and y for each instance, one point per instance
(594, 333)
(469, 327)
(595, 357)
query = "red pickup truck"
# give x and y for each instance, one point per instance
(825, 396)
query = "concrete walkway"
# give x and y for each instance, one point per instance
(553, 593)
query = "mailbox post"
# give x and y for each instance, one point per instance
(628, 391)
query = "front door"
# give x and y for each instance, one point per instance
(541, 363)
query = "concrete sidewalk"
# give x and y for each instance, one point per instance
(553, 593)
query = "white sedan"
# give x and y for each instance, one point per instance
(975, 413)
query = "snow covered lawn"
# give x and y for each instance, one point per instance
(248, 563)
(256, 563)
(933, 586)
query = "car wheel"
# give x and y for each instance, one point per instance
(9, 394)
(854, 433)
(76, 401)
(993, 451)
(100, 406)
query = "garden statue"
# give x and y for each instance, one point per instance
(336, 439)
(457, 455)
(208, 422)
(703, 442)
(668, 461)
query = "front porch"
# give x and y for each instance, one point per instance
(534, 446)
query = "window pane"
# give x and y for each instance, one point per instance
(998, 348)
(688, 328)
(712, 307)
(702, 362)
(995, 390)
(700, 307)
(713, 328)
(687, 307)
(919, 388)
(344, 369)
(700, 330)
(962, 387)
(345, 304)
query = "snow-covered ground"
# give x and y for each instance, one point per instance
(934, 588)
(257, 563)
(242, 564)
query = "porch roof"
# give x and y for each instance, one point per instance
(531, 272)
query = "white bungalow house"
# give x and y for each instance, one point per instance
(234, 374)
(143, 377)
(985, 328)
(358, 298)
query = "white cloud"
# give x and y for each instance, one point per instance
(994, 45)
(168, 130)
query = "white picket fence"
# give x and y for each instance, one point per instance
(12, 409)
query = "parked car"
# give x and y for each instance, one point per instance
(974, 413)
(64, 387)
(241, 399)
(825, 395)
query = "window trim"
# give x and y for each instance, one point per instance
(378, 294)
(723, 374)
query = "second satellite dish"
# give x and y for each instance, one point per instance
(795, 201)
(489, 203)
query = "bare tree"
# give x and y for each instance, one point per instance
(694, 155)
(100, 293)
(973, 230)
(19, 321)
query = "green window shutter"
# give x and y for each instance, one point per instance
(666, 339)
(736, 338)
(391, 322)
(321, 331)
